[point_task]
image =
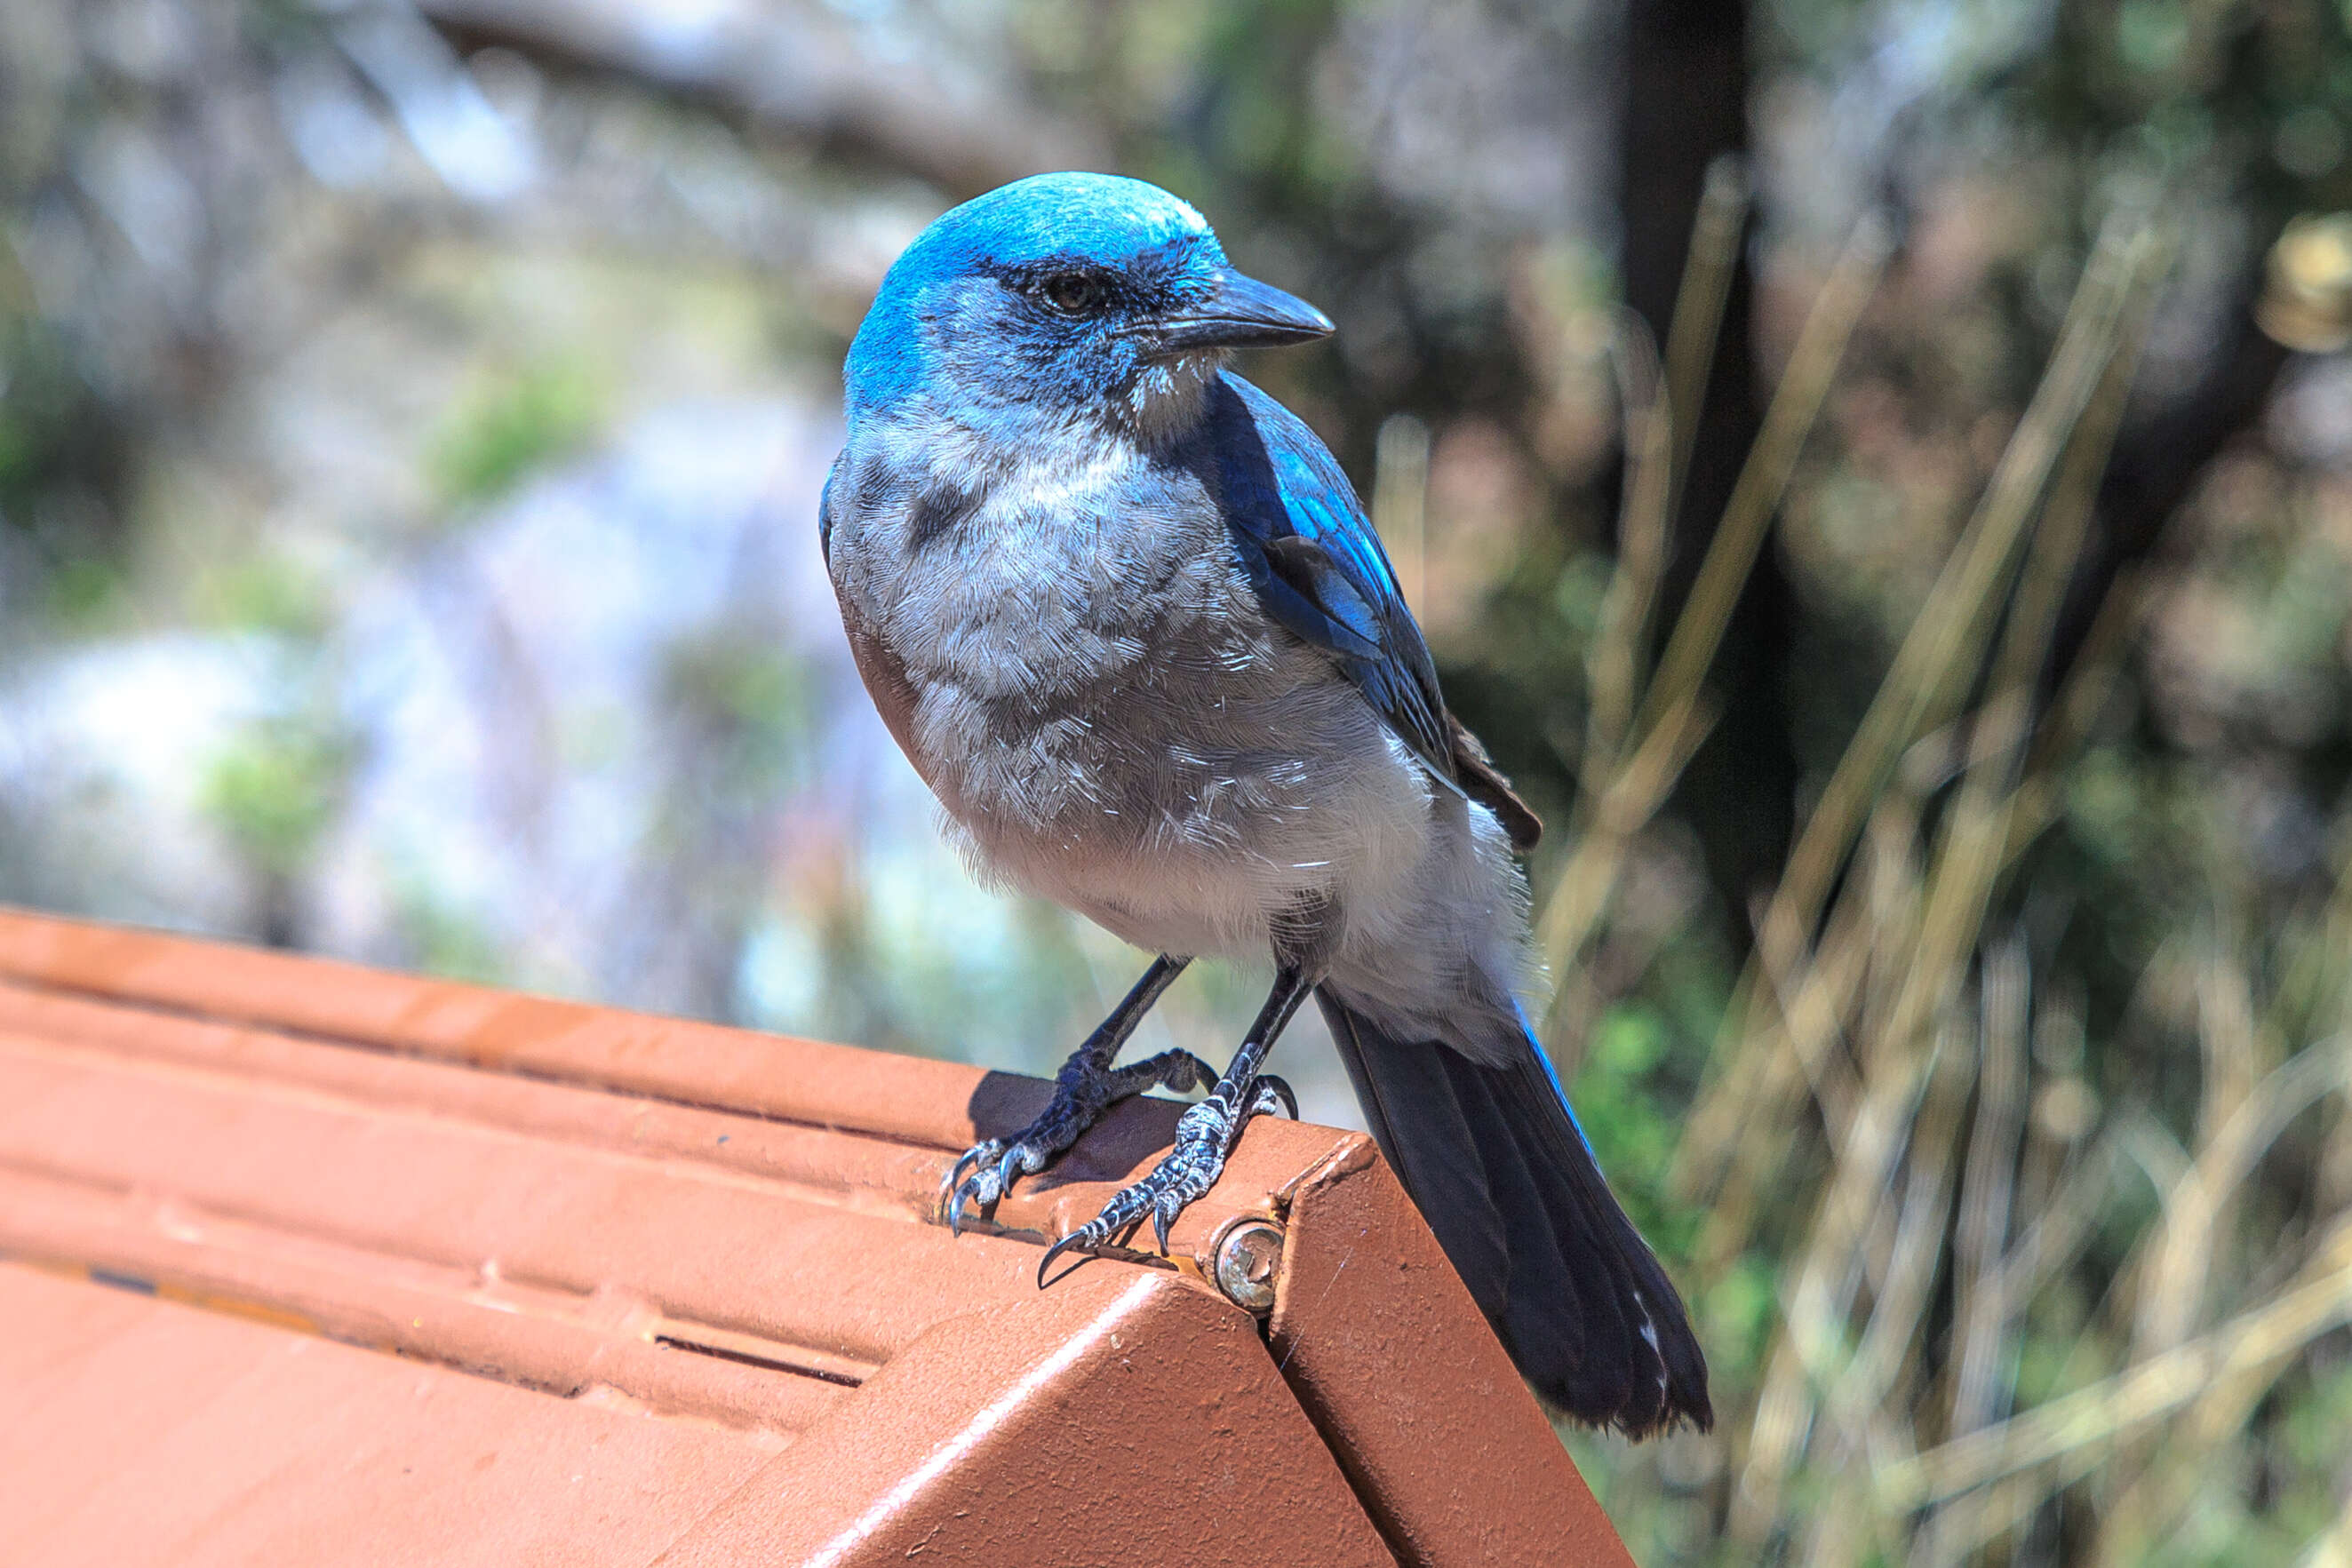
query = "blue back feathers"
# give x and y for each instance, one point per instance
(1316, 564)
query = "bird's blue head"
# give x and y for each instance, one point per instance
(1065, 299)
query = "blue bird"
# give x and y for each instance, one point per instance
(1124, 614)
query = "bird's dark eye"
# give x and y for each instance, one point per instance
(1072, 293)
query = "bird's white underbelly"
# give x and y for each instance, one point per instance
(1193, 837)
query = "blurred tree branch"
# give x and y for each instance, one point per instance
(800, 70)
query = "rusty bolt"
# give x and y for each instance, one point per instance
(1248, 1255)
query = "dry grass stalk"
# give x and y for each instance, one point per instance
(1631, 797)
(1962, 1140)
(1400, 503)
(1902, 1288)
(2098, 1414)
(1811, 1348)
(1982, 1306)
(1618, 658)
(1715, 234)
(1673, 715)
(1764, 477)
(1925, 973)
(2184, 1245)
(2238, 1120)
(1935, 662)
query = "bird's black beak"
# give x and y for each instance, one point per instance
(1240, 313)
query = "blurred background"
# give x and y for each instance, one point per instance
(1878, 473)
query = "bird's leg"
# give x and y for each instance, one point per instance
(1206, 1134)
(1087, 1086)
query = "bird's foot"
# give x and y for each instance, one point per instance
(1082, 1093)
(1205, 1137)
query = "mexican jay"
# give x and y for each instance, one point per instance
(1124, 614)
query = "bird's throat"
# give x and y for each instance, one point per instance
(1168, 397)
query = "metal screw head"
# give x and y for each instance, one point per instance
(1247, 1257)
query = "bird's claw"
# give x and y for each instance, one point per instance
(1076, 1240)
(1205, 1135)
(986, 1172)
(1271, 1094)
(986, 1185)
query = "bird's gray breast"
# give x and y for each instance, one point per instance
(1068, 640)
(1067, 648)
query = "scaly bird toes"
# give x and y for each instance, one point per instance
(1205, 1135)
(986, 1171)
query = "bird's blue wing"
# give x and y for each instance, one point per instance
(1316, 565)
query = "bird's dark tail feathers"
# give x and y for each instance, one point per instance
(1495, 1160)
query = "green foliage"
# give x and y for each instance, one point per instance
(1632, 1129)
(46, 407)
(445, 941)
(276, 789)
(1577, 598)
(746, 700)
(270, 594)
(82, 587)
(62, 465)
(545, 413)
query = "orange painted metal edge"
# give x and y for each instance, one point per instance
(717, 1250)
(1397, 1369)
(807, 1082)
(1129, 1419)
(277, 999)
